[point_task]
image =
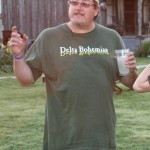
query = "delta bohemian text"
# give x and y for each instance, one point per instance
(83, 51)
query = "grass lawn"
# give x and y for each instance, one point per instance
(142, 61)
(22, 116)
(133, 120)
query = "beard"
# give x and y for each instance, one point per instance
(78, 18)
(76, 22)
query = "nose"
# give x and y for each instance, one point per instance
(79, 5)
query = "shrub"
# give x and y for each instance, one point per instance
(5, 59)
(143, 50)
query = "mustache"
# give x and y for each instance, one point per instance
(78, 13)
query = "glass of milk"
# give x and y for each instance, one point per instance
(121, 57)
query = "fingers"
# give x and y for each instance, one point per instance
(16, 34)
(16, 37)
(17, 41)
(25, 37)
(130, 61)
(131, 64)
(130, 56)
(14, 29)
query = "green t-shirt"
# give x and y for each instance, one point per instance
(80, 75)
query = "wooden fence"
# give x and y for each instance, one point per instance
(32, 16)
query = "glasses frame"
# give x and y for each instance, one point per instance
(83, 4)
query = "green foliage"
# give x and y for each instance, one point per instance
(5, 59)
(143, 50)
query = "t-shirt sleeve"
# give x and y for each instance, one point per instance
(119, 42)
(33, 60)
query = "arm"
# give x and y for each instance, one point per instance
(21, 69)
(22, 72)
(129, 79)
(142, 84)
(131, 64)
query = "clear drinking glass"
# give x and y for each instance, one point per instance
(121, 56)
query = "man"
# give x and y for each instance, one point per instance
(79, 74)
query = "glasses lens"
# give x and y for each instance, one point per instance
(86, 5)
(73, 3)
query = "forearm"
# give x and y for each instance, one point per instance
(129, 79)
(142, 84)
(23, 72)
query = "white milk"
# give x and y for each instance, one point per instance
(121, 56)
(123, 70)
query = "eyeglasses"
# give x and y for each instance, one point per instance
(85, 5)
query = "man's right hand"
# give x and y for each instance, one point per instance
(16, 43)
(21, 69)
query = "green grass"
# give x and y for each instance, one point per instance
(22, 116)
(133, 120)
(142, 61)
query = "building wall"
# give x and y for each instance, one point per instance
(1, 25)
(0, 7)
(32, 16)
